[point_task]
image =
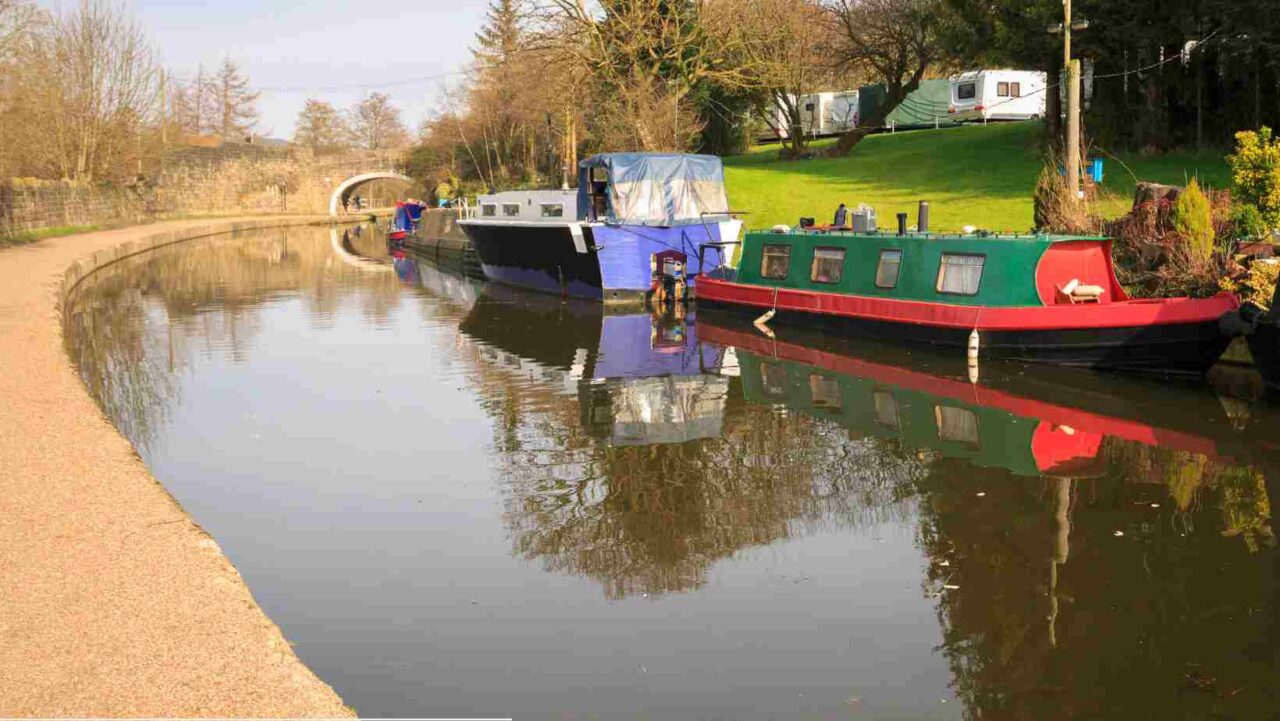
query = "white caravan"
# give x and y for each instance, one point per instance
(998, 95)
(821, 114)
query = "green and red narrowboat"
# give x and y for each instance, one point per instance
(1031, 298)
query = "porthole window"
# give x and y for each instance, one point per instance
(960, 274)
(776, 262)
(828, 265)
(888, 268)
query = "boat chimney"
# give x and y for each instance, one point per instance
(922, 217)
(902, 223)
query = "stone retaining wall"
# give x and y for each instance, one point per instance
(230, 178)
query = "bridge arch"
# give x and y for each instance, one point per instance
(335, 200)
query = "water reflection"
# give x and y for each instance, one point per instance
(1095, 569)
(459, 499)
(621, 462)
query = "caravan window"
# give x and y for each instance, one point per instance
(776, 262)
(1002, 90)
(967, 91)
(511, 210)
(828, 265)
(960, 274)
(489, 210)
(1015, 90)
(553, 210)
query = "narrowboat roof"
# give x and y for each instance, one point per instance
(889, 235)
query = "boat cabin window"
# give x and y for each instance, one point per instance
(598, 190)
(886, 409)
(489, 210)
(825, 391)
(887, 270)
(553, 210)
(511, 210)
(776, 263)
(967, 91)
(774, 379)
(828, 265)
(957, 425)
(960, 274)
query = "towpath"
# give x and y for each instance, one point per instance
(114, 602)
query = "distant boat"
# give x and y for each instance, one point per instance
(404, 222)
(1030, 298)
(635, 218)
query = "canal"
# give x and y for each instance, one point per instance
(462, 500)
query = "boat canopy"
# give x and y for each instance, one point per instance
(654, 189)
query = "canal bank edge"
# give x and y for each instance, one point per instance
(116, 602)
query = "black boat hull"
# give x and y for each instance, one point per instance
(1264, 344)
(1186, 349)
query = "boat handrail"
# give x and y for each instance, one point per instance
(702, 247)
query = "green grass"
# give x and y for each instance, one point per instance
(30, 236)
(971, 175)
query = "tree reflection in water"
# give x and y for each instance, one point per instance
(131, 327)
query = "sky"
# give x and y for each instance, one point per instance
(318, 44)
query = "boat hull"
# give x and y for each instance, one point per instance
(1187, 342)
(1264, 345)
(608, 262)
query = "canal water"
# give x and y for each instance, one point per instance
(459, 500)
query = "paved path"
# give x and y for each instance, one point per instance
(112, 601)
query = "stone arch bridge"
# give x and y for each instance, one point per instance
(245, 177)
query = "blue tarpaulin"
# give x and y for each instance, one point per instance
(654, 188)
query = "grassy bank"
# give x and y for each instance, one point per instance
(31, 236)
(972, 175)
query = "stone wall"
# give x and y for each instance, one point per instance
(227, 178)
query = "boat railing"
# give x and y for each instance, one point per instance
(718, 271)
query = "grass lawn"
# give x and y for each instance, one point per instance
(971, 175)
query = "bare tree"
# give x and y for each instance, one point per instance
(320, 126)
(776, 38)
(644, 58)
(894, 41)
(193, 104)
(235, 104)
(376, 124)
(16, 18)
(92, 73)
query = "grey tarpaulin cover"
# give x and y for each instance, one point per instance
(657, 189)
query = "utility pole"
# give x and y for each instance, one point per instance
(1072, 68)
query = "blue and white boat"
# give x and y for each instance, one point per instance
(634, 218)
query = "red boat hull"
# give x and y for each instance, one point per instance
(1171, 336)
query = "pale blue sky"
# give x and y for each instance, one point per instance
(318, 44)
